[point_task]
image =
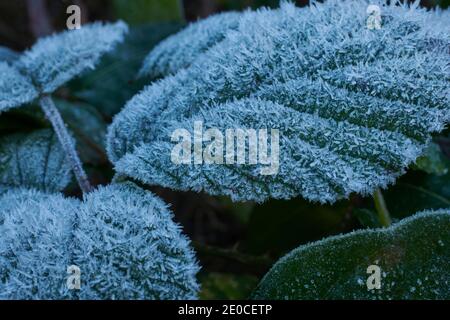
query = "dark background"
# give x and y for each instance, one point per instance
(236, 242)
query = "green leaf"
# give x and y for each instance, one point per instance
(114, 80)
(142, 11)
(34, 160)
(413, 256)
(432, 161)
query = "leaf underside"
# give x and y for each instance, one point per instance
(354, 106)
(413, 255)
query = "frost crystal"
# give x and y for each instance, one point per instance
(354, 106)
(122, 238)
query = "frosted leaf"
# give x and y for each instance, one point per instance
(15, 88)
(34, 160)
(405, 252)
(36, 231)
(122, 238)
(380, 94)
(56, 59)
(181, 50)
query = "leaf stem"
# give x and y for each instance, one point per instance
(53, 115)
(382, 210)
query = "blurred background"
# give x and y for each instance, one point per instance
(236, 242)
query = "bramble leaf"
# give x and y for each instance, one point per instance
(56, 59)
(122, 239)
(34, 160)
(304, 72)
(413, 256)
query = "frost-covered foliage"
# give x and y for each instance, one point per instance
(33, 160)
(122, 238)
(54, 60)
(181, 50)
(354, 106)
(413, 256)
(15, 89)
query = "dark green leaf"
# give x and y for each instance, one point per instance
(413, 256)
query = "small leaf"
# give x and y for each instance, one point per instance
(34, 160)
(121, 237)
(413, 257)
(15, 89)
(56, 59)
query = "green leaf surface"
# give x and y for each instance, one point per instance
(413, 256)
(33, 160)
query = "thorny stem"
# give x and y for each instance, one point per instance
(52, 114)
(382, 210)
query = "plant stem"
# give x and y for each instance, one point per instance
(382, 210)
(52, 114)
